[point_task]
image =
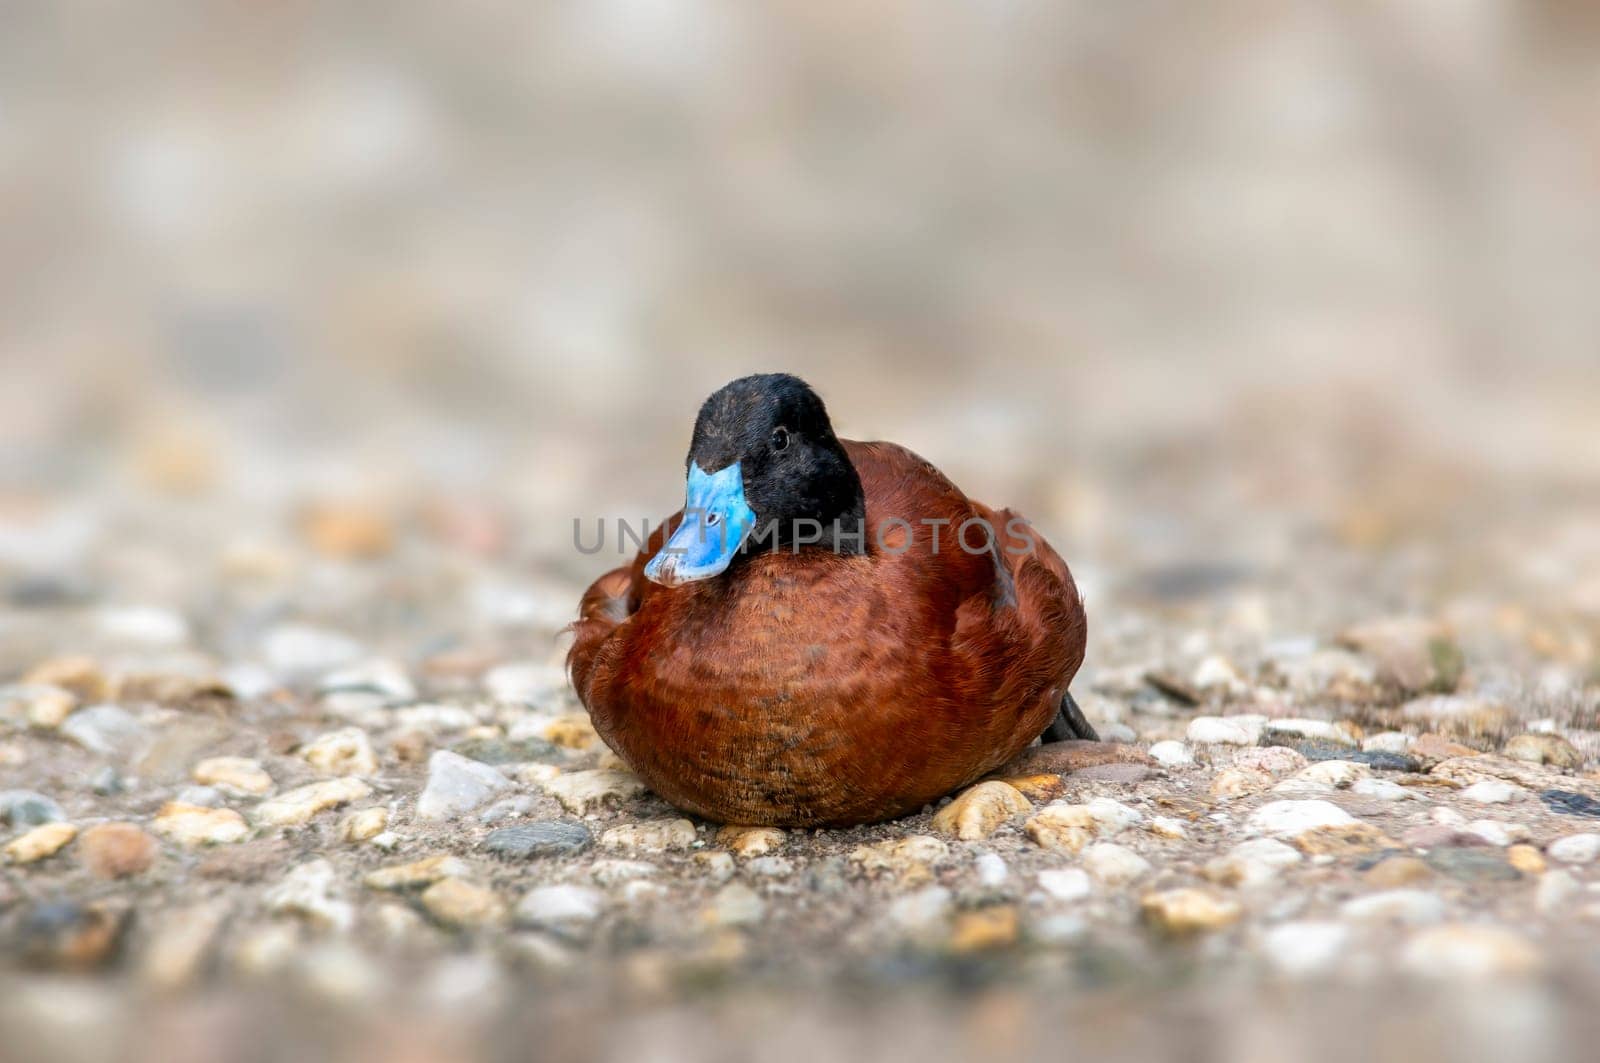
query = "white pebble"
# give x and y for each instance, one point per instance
(1576, 849)
(1065, 884)
(1493, 792)
(1413, 907)
(991, 870)
(1115, 865)
(1304, 948)
(1226, 730)
(1170, 754)
(1296, 817)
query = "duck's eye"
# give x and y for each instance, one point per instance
(780, 438)
(713, 519)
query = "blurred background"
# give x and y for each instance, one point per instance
(341, 314)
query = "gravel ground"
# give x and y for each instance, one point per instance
(329, 793)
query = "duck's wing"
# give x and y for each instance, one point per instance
(609, 601)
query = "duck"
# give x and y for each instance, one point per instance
(829, 632)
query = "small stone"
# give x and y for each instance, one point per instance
(1114, 865)
(1397, 871)
(116, 850)
(1470, 951)
(238, 776)
(1187, 912)
(1171, 754)
(1431, 748)
(40, 842)
(907, 858)
(364, 824)
(984, 930)
(299, 805)
(574, 730)
(1167, 827)
(735, 905)
(1239, 782)
(47, 708)
(25, 808)
(978, 811)
(1274, 760)
(456, 785)
(770, 867)
(201, 797)
(581, 792)
(80, 676)
(920, 911)
(461, 905)
(1038, 788)
(192, 826)
(1062, 828)
(1226, 730)
(417, 873)
(1381, 789)
(1349, 839)
(388, 841)
(1411, 907)
(1568, 803)
(651, 836)
(751, 841)
(1545, 749)
(533, 841)
(1303, 949)
(991, 870)
(1288, 818)
(1497, 833)
(383, 679)
(1493, 792)
(1065, 884)
(1526, 859)
(1575, 849)
(1472, 864)
(69, 936)
(1397, 742)
(715, 864)
(1338, 774)
(1556, 889)
(1251, 864)
(177, 952)
(310, 892)
(346, 752)
(566, 911)
(107, 730)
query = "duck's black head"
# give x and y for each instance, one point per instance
(765, 472)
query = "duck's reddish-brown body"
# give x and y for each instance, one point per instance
(815, 689)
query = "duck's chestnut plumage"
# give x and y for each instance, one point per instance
(841, 682)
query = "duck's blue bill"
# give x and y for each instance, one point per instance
(716, 522)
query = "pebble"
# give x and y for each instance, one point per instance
(1397, 742)
(1226, 730)
(566, 911)
(1381, 789)
(237, 776)
(1555, 890)
(384, 678)
(462, 905)
(344, 752)
(907, 858)
(80, 676)
(1457, 717)
(616, 872)
(1472, 864)
(735, 905)
(456, 785)
(985, 929)
(363, 824)
(25, 808)
(47, 708)
(1039, 788)
(1526, 859)
(581, 792)
(1187, 912)
(751, 841)
(1544, 749)
(1112, 817)
(1168, 827)
(716, 864)
(1304, 949)
(1467, 951)
(1338, 774)
(192, 826)
(40, 842)
(1408, 906)
(1575, 849)
(1397, 871)
(1065, 884)
(532, 841)
(299, 805)
(1114, 865)
(922, 910)
(1274, 760)
(1568, 803)
(651, 836)
(106, 730)
(770, 867)
(301, 652)
(1171, 754)
(68, 935)
(1287, 818)
(1497, 833)
(991, 870)
(417, 873)
(1239, 782)
(116, 850)
(311, 892)
(1252, 864)
(980, 810)
(200, 797)
(1062, 828)
(1493, 792)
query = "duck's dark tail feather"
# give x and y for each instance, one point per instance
(1069, 724)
